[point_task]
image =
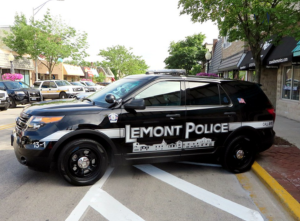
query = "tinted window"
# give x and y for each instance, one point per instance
(36, 84)
(90, 83)
(200, 93)
(165, 93)
(46, 84)
(223, 96)
(77, 83)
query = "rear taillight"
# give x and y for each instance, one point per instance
(272, 112)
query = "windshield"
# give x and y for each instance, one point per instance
(119, 89)
(15, 84)
(77, 83)
(90, 83)
(62, 83)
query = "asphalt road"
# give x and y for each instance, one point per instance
(170, 191)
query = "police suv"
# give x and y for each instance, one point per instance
(147, 118)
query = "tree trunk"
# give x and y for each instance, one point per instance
(258, 67)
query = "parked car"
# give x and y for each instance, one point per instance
(103, 83)
(89, 83)
(20, 93)
(4, 99)
(57, 89)
(147, 118)
(86, 88)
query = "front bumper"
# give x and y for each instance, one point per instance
(29, 155)
(4, 103)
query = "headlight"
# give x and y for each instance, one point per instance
(38, 121)
(20, 93)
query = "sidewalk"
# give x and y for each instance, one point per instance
(282, 160)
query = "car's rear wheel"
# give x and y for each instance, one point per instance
(82, 162)
(63, 95)
(240, 154)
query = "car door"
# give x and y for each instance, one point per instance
(53, 91)
(209, 119)
(45, 86)
(156, 132)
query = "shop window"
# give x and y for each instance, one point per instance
(296, 83)
(287, 82)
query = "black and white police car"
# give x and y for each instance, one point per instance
(147, 118)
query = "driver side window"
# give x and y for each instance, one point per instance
(164, 93)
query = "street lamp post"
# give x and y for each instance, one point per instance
(11, 58)
(34, 13)
(208, 57)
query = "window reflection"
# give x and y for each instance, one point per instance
(287, 83)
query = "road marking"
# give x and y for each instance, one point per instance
(85, 202)
(7, 126)
(112, 209)
(200, 164)
(228, 206)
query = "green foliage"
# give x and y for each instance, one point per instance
(50, 37)
(122, 60)
(253, 21)
(100, 78)
(186, 54)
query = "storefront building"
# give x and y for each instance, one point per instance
(22, 66)
(60, 72)
(288, 77)
(216, 57)
(268, 75)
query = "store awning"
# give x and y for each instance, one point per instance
(248, 61)
(296, 51)
(21, 63)
(72, 70)
(230, 63)
(283, 52)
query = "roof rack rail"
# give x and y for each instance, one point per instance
(173, 72)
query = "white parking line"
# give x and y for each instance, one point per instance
(112, 209)
(85, 202)
(228, 206)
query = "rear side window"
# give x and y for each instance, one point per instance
(201, 93)
(251, 93)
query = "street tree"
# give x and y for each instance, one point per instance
(252, 21)
(122, 61)
(187, 54)
(50, 38)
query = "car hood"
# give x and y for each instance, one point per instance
(62, 107)
(26, 90)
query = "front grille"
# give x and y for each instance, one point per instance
(80, 89)
(22, 120)
(34, 94)
(92, 89)
(2, 95)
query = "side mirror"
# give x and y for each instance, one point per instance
(2, 88)
(110, 98)
(136, 104)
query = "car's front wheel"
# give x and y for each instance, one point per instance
(63, 95)
(82, 162)
(12, 102)
(240, 154)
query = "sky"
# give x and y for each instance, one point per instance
(147, 26)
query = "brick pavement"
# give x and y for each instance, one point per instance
(282, 162)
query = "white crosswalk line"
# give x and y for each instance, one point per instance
(112, 209)
(228, 206)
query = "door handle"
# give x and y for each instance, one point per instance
(229, 113)
(173, 115)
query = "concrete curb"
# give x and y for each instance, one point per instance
(290, 204)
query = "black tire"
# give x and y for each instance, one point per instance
(6, 107)
(63, 95)
(239, 155)
(12, 103)
(72, 159)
